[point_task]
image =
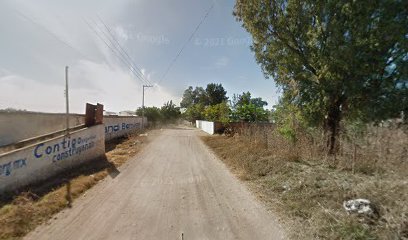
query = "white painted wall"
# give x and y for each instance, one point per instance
(117, 126)
(206, 126)
(45, 159)
(198, 124)
(18, 126)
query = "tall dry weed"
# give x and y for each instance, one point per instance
(297, 176)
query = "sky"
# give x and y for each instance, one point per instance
(39, 38)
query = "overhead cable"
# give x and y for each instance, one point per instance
(186, 43)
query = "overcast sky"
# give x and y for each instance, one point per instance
(39, 38)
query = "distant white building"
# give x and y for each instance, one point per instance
(127, 113)
(107, 113)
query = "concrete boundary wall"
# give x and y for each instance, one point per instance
(47, 158)
(18, 126)
(206, 126)
(118, 126)
(42, 150)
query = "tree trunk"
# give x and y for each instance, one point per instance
(333, 124)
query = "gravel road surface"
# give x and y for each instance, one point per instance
(174, 187)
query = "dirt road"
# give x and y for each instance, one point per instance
(174, 186)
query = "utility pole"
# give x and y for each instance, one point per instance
(67, 99)
(68, 182)
(144, 86)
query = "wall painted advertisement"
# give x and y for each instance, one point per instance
(44, 159)
(121, 126)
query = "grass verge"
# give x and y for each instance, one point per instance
(30, 207)
(309, 195)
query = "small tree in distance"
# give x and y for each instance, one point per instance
(194, 112)
(212, 105)
(218, 113)
(168, 113)
(195, 101)
(248, 109)
(153, 114)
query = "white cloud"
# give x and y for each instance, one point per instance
(34, 53)
(157, 96)
(89, 82)
(116, 87)
(24, 93)
(4, 72)
(222, 62)
(121, 33)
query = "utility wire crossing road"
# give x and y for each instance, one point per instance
(174, 187)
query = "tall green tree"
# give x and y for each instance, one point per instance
(189, 98)
(201, 96)
(240, 99)
(194, 96)
(197, 100)
(212, 95)
(245, 99)
(333, 59)
(216, 94)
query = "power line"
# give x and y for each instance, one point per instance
(185, 44)
(128, 63)
(117, 51)
(50, 33)
(132, 68)
(122, 49)
(139, 75)
(114, 52)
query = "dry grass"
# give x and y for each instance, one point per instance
(300, 182)
(33, 206)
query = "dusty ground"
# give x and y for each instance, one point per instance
(22, 211)
(174, 186)
(308, 194)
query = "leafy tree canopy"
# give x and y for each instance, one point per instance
(194, 96)
(194, 112)
(189, 98)
(218, 113)
(248, 109)
(333, 59)
(216, 94)
(245, 99)
(170, 112)
(212, 95)
(250, 113)
(211, 104)
(153, 114)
